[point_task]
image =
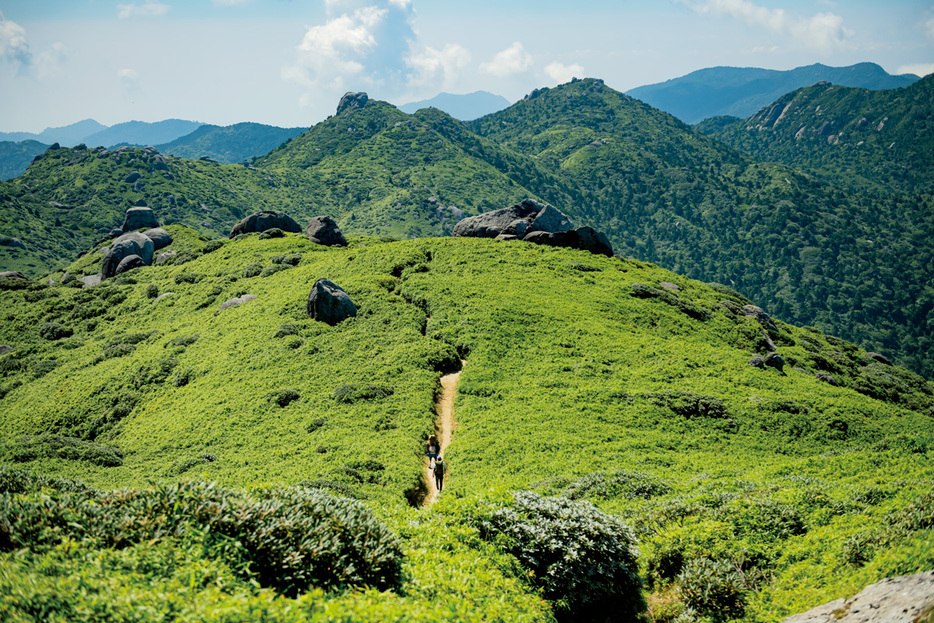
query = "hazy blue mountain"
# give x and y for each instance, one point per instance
(68, 135)
(142, 133)
(230, 144)
(464, 107)
(15, 157)
(742, 91)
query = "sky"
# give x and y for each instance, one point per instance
(288, 62)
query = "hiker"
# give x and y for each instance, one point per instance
(432, 450)
(439, 473)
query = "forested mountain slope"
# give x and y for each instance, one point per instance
(229, 144)
(880, 140)
(754, 492)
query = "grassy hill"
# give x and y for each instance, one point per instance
(599, 379)
(15, 157)
(813, 251)
(229, 144)
(875, 139)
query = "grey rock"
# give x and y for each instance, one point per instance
(138, 186)
(507, 237)
(267, 219)
(4, 349)
(756, 362)
(516, 220)
(12, 274)
(237, 301)
(323, 230)
(160, 238)
(133, 243)
(132, 177)
(826, 378)
(759, 314)
(669, 286)
(583, 238)
(129, 263)
(329, 303)
(139, 217)
(90, 281)
(880, 358)
(774, 360)
(11, 242)
(159, 163)
(164, 257)
(351, 102)
(162, 296)
(550, 219)
(904, 599)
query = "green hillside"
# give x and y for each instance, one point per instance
(881, 140)
(754, 492)
(814, 251)
(15, 157)
(229, 144)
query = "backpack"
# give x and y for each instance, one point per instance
(439, 468)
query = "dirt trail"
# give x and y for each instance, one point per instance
(444, 427)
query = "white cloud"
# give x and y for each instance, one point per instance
(49, 63)
(918, 69)
(512, 60)
(13, 44)
(129, 79)
(436, 67)
(148, 8)
(561, 73)
(823, 31)
(400, 4)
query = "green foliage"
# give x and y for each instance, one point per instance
(54, 331)
(348, 394)
(713, 588)
(582, 559)
(53, 446)
(283, 397)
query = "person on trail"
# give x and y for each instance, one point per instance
(439, 473)
(431, 449)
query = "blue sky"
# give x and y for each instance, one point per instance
(287, 62)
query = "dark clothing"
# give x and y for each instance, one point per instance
(439, 474)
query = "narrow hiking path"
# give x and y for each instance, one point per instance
(444, 428)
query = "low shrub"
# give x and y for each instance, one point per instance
(642, 291)
(19, 481)
(690, 404)
(252, 270)
(347, 394)
(54, 446)
(288, 539)
(283, 397)
(212, 245)
(183, 377)
(187, 278)
(286, 329)
(184, 341)
(43, 366)
(54, 331)
(581, 558)
(291, 260)
(274, 232)
(713, 588)
(315, 424)
(275, 268)
(117, 350)
(629, 485)
(152, 291)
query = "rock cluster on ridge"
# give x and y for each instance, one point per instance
(139, 217)
(536, 222)
(352, 101)
(132, 243)
(264, 220)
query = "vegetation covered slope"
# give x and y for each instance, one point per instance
(596, 378)
(741, 91)
(855, 264)
(15, 157)
(229, 144)
(876, 139)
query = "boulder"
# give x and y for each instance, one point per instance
(129, 263)
(826, 378)
(12, 274)
(133, 243)
(6, 241)
(139, 217)
(774, 360)
(132, 177)
(904, 599)
(267, 219)
(583, 238)
(236, 301)
(164, 257)
(759, 314)
(756, 362)
(352, 101)
(880, 358)
(669, 286)
(518, 220)
(89, 281)
(329, 303)
(160, 238)
(159, 163)
(4, 349)
(323, 230)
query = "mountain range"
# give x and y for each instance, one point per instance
(742, 91)
(464, 107)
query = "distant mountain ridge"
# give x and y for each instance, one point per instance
(742, 91)
(142, 133)
(229, 144)
(462, 107)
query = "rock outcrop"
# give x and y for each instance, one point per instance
(6, 241)
(12, 274)
(129, 263)
(525, 217)
(351, 102)
(583, 238)
(329, 303)
(905, 599)
(139, 217)
(133, 243)
(160, 238)
(267, 219)
(323, 230)
(236, 301)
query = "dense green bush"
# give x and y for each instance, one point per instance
(289, 539)
(346, 394)
(283, 397)
(690, 404)
(580, 557)
(713, 588)
(54, 446)
(54, 331)
(252, 270)
(152, 291)
(629, 485)
(212, 245)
